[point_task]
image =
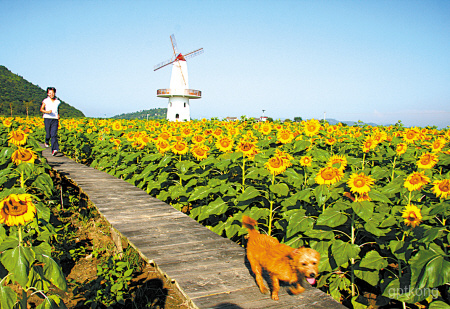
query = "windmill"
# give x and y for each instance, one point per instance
(179, 92)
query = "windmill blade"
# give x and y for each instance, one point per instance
(174, 45)
(194, 53)
(163, 64)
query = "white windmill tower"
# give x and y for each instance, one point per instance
(179, 92)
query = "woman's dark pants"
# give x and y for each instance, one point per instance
(51, 132)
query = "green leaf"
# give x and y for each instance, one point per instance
(18, 262)
(52, 271)
(332, 218)
(7, 296)
(293, 178)
(249, 193)
(364, 210)
(379, 197)
(373, 260)
(403, 292)
(43, 211)
(280, 189)
(216, 208)
(321, 193)
(439, 305)
(52, 302)
(9, 243)
(429, 268)
(45, 183)
(200, 193)
(342, 252)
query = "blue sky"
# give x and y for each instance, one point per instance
(374, 61)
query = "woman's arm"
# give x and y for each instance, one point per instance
(43, 109)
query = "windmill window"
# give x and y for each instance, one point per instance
(177, 116)
(184, 104)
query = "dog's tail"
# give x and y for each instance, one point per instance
(249, 222)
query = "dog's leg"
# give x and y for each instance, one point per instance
(275, 287)
(257, 270)
(297, 289)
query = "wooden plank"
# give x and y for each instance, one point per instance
(210, 269)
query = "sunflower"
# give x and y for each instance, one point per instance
(138, 144)
(412, 215)
(285, 156)
(247, 148)
(7, 122)
(17, 209)
(312, 127)
(217, 133)
(18, 137)
(441, 188)
(330, 141)
(265, 128)
(130, 136)
(427, 161)
(200, 151)
(360, 183)
(369, 144)
(162, 145)
(411, 135)
(337, 161)
(197, 139)
(165, 135)
(117, 126)
(23, 155)
(225, 144)
(438, 144)
(285, 136)
(329, 175)
(401, 148)
(180, 147)
(276, 165)
(415, 181)
(306, 161)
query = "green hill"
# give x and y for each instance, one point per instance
(18, 94)
(153, 114)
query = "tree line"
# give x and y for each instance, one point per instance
(19, 97)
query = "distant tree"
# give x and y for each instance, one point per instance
(269, 119)
(298, 119)
(287, 120)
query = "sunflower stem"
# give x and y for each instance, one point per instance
(353, 260)
(243, 173)
(22, 182)
(393, 169)
(24, 300)
(364, 158)
(271, 208)
(20, 235)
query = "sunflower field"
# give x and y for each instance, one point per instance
(373, 200)
(26, 232)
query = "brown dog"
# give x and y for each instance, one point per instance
(280, 261)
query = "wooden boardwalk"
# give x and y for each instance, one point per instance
(209, 269)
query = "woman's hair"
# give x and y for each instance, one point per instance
(51, 88)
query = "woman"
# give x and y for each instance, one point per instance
(51, 119)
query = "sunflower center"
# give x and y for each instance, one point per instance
(410, 135)
(415, 180)
(359, 183)
(328, 174)
(412, 216)
(444, 187)
(15, 208)
(180, 147)
(425, 160)
(276, 162)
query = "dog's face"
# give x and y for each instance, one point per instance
(306, 262)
